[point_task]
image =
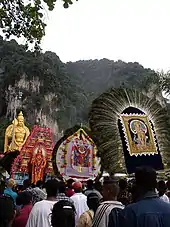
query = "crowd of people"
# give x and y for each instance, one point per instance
(142, 202)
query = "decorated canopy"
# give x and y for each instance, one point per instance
(34, 160)
(75, 156)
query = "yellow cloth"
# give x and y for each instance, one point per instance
(85, 219)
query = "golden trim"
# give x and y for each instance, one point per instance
(151, 148)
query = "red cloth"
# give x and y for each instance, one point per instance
(21, 220)
(69, 192)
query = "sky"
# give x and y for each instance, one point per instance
(129, 30)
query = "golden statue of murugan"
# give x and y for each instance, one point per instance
(16, 134)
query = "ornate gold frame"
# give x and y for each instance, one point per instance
(151, 149)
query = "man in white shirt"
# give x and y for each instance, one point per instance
(40, 214)
(162, 190)
(79, 199)
(110, 207)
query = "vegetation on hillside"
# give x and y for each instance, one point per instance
(26, 18)
(74, 85)
(67, 100)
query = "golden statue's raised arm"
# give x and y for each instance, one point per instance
(16, 135)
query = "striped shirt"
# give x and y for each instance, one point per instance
(101, 218)
(62, 196)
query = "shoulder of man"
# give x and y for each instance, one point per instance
(103, 212)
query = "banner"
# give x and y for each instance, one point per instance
(139, 140)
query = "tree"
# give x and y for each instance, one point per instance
(26, 18)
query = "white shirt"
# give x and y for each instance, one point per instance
(40, 214)
(101, 218)
(80, 203)
(165, 198)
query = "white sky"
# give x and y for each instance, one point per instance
(129, 30)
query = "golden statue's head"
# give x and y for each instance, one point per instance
(20, 119)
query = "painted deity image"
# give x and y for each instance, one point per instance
(139, 130)
(139, 134)
(81, 151)
(38, 164)
(76, 156)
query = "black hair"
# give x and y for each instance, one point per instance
(161, 186)
(7, 210)
(146, 178)
(90, 184)
(24, 198)
(26, 184)
(39, 184)
(51, 187)
(32, 185)
(98, 186)
(123, 184)
(70, 182)
(63, 214)
(61, 187)
(93, 201)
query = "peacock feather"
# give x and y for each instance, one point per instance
(103, 118)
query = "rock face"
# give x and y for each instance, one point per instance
(16, 98)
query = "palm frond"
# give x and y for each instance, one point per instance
(103, 119)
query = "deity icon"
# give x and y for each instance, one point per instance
(76, 156)
(38, 164)
(81, 152)
(139, 130)
(139, 134)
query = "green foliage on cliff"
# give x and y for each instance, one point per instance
(50, 85)
(26, 18)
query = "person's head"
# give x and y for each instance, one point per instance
(93, 201)
(39, 184)
(77, 186)
(90, 184)
(11, 183)
(145, 179)
(61, 187)
(70, 183)
(24, 198)
(98, 186)
(123, 184)
(110, 189)
(63, 214)
(51, 187)
(32, 185)
(7, 211)
(26, 184)
(161, 186)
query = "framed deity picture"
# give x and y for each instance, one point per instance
(139, 135)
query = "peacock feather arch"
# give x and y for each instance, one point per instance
(114, 119)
